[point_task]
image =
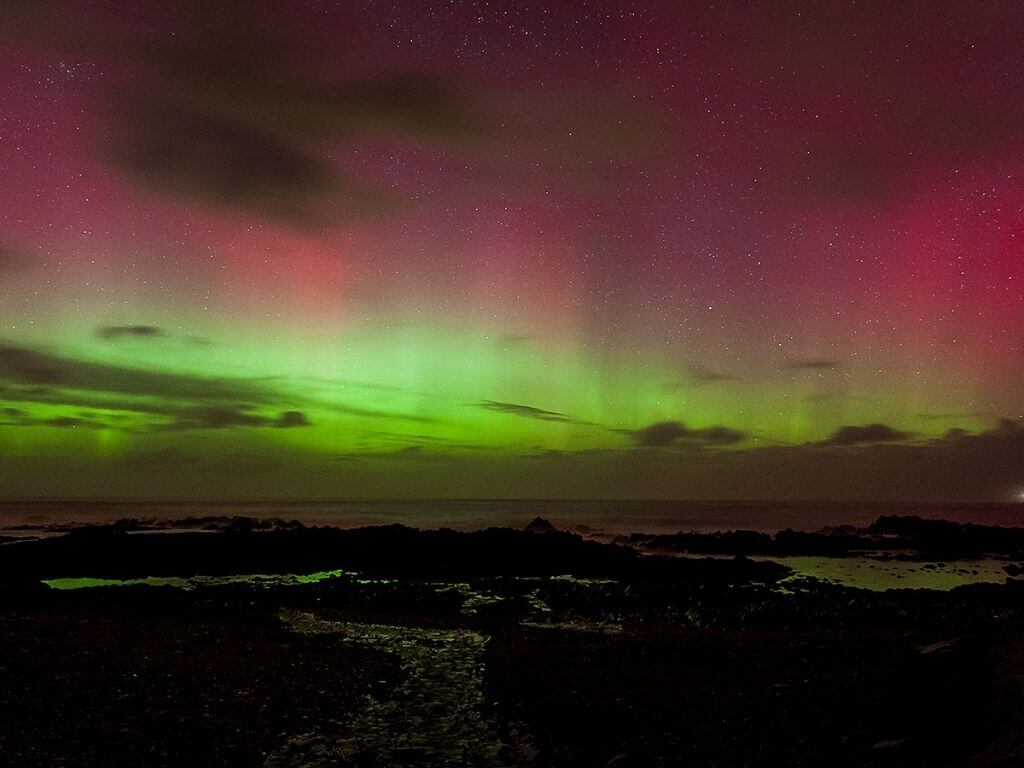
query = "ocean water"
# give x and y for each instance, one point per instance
(604, 515)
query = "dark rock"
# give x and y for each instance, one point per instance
(540, 525)
(240, 526)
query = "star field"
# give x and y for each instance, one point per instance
(512, 249)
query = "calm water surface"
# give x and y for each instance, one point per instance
(604, 515)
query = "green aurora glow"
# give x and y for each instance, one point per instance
(272, 266)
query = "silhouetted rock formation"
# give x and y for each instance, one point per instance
(594, 653)
(938, 539)
(392, 551)
(540, 525)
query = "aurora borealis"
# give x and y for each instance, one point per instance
(623, 250)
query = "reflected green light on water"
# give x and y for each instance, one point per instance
(192, 582)
(880, 575)
(858, 572)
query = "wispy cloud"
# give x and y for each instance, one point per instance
(186, 401)
(115, 332)
(226, 418)
(145, 333)
(526, 411)
(709, 376)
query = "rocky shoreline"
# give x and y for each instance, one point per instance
(500, 647)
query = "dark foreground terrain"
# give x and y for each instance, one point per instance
(496, 648)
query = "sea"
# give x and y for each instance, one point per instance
(603, 515)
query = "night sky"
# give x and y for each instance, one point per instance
(483, 249)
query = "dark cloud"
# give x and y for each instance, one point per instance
(869, 433)
(981, 466)
(666, 433)
(368, 413)
(660, 434)
(222, 106)
(219, 418)
(16, 417)
(708, 376)
(432, 441)
(526, 411)
(263, 108)
(812, 364)
(1012, 429)
(72, 422)
(960, 466)
(226, 163)
(290, 419)
(226, 418)
(115, 332)
(408, 452)
(191, 401)
(119, 332)
(28, 367)
(717, 436)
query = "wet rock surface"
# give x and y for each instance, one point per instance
(435, 717)
(448, 654)
(169, 680)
